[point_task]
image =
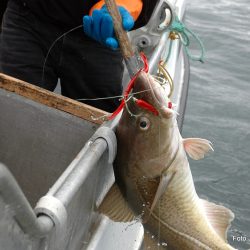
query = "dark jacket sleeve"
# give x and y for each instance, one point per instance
(148, 7)
(3, 5)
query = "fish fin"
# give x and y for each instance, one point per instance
(163, 185)
(115, 206)
(150, 242)
(197, 148)
(219, 217)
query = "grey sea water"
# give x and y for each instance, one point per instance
(218, 108)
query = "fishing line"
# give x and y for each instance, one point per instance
(159, 206)
(125, 100)
(127, 108)
(94, 118)
(117, 96)
(121, 97)
(136, 220)
(53, 44)
(100, 98)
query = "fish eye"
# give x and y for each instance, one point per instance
(144, 123)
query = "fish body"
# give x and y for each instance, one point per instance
(153, 174)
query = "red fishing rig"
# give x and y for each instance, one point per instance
(129, 87)
(141, 103)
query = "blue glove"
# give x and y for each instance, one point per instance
(100, 26)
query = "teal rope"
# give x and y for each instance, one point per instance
(185, 34)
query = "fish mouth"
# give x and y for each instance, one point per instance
(149, 90)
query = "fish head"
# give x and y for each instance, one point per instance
(149, 90)
(145, 131)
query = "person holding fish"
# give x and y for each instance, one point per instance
(43, 41)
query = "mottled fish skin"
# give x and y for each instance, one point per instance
(144, 156)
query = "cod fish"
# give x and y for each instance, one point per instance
(153, 177)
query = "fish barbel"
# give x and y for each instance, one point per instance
(153, 174)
